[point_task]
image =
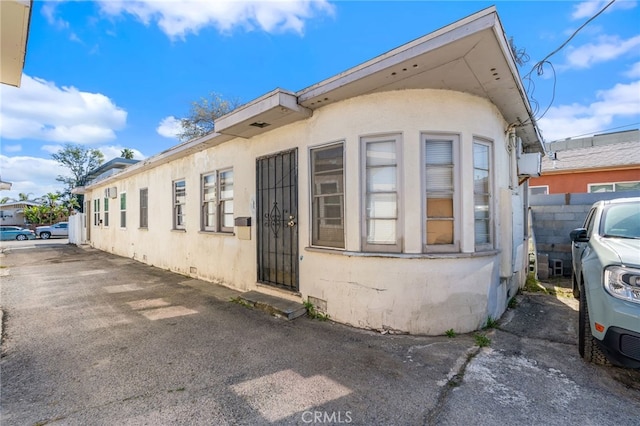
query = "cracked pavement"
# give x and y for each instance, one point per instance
(91, 338)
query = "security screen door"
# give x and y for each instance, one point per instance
(277, 217)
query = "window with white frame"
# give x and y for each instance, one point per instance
(217, 201)
(539, 190)
(327, 196)
(179, 201)
(123, 210)
(381, 195)
(614, 187)
(440, 154)
(144, 208)
(482, 186)
(96, 212)
(106, 211)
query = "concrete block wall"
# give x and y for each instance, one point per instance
(554, 216)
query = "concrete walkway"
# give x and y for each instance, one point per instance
(91, 338)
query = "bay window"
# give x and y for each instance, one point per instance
(327, 192)
(440, 152)
(381, 169)
(482, 182)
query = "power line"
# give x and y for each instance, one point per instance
(539, 66)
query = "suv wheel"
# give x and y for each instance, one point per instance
(587, 344)
(21, 237)
(45, 235)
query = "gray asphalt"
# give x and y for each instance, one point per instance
(91, 338)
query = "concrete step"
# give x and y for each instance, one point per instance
(274, 305)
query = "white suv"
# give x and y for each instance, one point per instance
(60, 229)
(606, 279)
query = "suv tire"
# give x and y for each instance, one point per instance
(45, 235)
(587, 344)
(575, 287)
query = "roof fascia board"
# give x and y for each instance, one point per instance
(171, 154)
(515, 75)
(275, 98)
(472, 24)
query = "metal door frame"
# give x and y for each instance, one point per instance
(277, 217)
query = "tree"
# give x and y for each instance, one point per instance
(80, 161)
(203, 114)
(26, 197)
(127, 153)
(53, 208)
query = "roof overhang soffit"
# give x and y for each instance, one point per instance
(273, 110)
(15, 17)
(471, 56)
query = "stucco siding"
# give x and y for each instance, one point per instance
(425, 294)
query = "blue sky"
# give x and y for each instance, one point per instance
(117, 74)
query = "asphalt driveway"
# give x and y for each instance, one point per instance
(90, 339)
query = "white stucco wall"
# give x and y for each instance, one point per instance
(412, 292)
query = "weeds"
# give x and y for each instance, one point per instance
(450, 333)
(491, 323)
(241, 302)
(313, 313)
(482, 340)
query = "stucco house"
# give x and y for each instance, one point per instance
(608, 162)
(389, 195)
(12, 213)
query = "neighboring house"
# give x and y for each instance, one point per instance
(110, 168)
(15, 17)
(79, 231)
(13, 213)
(601, 163)
(388, 195)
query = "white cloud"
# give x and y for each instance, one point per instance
(634, 71)
(169, 127)
(12, 148)
(30, 175)
(41, 110)
(606, 48)
(177, 18)
(113, 151)
(587, 9)
(621, 101)
(49, 12)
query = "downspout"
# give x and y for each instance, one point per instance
(513, 149)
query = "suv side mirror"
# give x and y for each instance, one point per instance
(579, 235)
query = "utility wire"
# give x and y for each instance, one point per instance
(539, 67)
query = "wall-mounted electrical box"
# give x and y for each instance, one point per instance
(242, 221)
(243, 227)
(530, 164)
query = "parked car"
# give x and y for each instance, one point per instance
(11, 227)
(606, 280)
(16, 233)
(60, 229)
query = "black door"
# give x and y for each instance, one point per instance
(277, 214)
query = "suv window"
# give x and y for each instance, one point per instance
(588, 223)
